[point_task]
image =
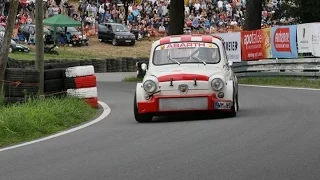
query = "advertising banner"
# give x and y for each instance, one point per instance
(315, 39)
(255, 45)
(304, 38)
(232, 44)
(284, 41)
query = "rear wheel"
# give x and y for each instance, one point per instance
(140, 117)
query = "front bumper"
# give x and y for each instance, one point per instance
(206, 102)
(126, 40)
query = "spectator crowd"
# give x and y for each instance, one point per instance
(149, 17)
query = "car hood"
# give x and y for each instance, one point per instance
(196, 72)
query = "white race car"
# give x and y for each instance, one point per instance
(186, 73)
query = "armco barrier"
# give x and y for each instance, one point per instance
(282, 67)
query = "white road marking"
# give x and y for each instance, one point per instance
(105, 113)
(280, 87)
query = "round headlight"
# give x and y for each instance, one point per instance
(149, 86)
(217, 84)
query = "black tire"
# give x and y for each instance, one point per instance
(132, 43)
(13, 100)
(114, 42)
(140, 117)
(69, 83)
(234, 107)
(22, 75)
(53, 85)
(53, 74)
(22, 90)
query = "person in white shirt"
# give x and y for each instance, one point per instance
(186, 10)
(196, 6)
(220, 5)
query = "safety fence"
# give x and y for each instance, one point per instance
(282, 67)
(21, 84)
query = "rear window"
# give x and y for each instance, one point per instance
(186, 52)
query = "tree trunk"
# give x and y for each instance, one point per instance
(176, 15)
(7, 39)
(253, 15)
(40, 44)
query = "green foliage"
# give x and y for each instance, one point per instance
(305, 11)
(132, 79)
(41, 117)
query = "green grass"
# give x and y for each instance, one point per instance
(41, 117)
(132, 79)
(282, 81)
(268, 81)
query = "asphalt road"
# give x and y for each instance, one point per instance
(275, 136)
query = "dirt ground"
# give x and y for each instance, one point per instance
(96, 49)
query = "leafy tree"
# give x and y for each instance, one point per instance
(13, 9)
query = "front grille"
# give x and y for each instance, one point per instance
(178, 104)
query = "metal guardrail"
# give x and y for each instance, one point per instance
(307, 67)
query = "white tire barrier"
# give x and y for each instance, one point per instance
(79, 71)
(83, 92)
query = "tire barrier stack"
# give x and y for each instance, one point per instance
(81, 82)
(20, 84)
(53, 81)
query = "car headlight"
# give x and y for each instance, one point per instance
(217, 84)
(118, 37)
(149, 86)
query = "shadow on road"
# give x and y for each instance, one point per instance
(189, 116)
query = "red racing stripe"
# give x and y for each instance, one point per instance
(181, 77)
(165, 40)
(186, 38)
(207, 39)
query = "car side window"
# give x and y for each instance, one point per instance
(109, 28)
(103, 28)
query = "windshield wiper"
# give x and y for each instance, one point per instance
(198, 59)
(173, 60)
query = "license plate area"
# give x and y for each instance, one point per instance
(222, 105)
(127, 40)
(179, 104)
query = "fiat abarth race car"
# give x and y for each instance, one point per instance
(187, 73)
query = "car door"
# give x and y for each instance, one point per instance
(102, 32)
(109, 32)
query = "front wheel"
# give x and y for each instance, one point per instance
(235, 107)
(140, 117)
(114, 42)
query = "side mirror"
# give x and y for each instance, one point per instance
(144, 66)
(230, 63)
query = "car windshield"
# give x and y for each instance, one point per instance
(187, 52)
(119, 28)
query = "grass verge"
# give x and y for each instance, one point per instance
(41, 117)
(282, 81)
(267, 81)
(95, 50)
(132, 79)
